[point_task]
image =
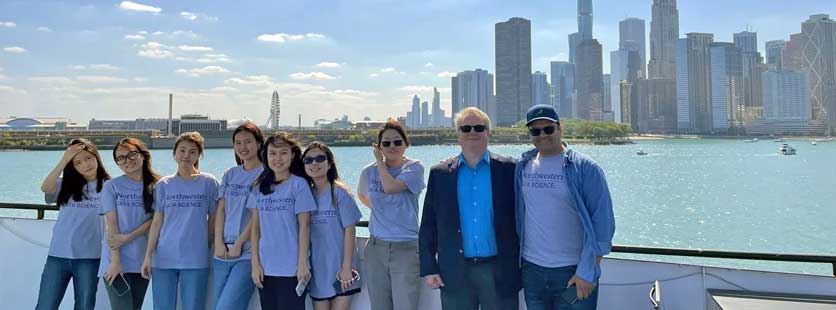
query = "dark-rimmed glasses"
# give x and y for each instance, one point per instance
(389, 143)
(535, 132)
(467, 128)
(311, 160)
(124, 158)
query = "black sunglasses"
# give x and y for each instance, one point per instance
(124, 158)
(536, 131)
(467, 128)
(311, 160)
(389, 143)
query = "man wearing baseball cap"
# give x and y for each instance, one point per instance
(564, 218)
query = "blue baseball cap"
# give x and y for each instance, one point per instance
(541, 111)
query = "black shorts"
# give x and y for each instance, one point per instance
(280, 293)
(346, 293)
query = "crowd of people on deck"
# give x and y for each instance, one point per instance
(282, 222)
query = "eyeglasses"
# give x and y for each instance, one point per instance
(311, 160)
(389, 143)
(467, 128)
(535, 132)
(124, 158)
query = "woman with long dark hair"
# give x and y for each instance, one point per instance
(332, 232)
(390, 188)
(282, 203)
(231, 269)
(74, 252)
(177, 254)
(127, 207)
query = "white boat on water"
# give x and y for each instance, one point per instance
(624, 284)
(813, 142)
(641, 152)
(751, 140)
(786, 149)
(778, 140)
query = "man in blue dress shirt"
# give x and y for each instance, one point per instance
(468, 245)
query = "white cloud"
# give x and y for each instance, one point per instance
(416, 88)
(374, 75)
(135, 37)
(197, 72)
(252, 80)
(143, 32)
(133, 6)
(385, 70)
(197, 16)
(14, 50)
(102, 67)
(283, 37)
(429, 65)
(184, 33)
(9, 89)
(155, 50)
(140, 79)
(446, 74)
(328, 65)
(223, 89)
(158, 33)
(189, 48)
(189, 16)
(352, 92)
(7, 24)
(100, 79)
(44, 29)
(311, 76)
(78, 67)
(53, 80)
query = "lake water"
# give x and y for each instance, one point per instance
(709, 194)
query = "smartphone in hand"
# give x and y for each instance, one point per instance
(570, 295)
(120, 285)
(300, 288)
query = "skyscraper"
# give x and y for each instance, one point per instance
(585, 19)
(563, 85)
(726, 86)
(625, 65)
(415, 120)
(693, 59)
(275, 110)
(438, 113)
(746, 41)
(539, 88)
(819, 52)
(775, 54)
(513, 70)
(786, 96)
(606, 99)
(474, 89)
(425, 114)
(574, 40)
(588, 80)
(631, 37)
(664, 31)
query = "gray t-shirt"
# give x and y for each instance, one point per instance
(394, 217)
(327, 238)
(77, 233)
(185, 205)
(279, 241)
(553, 231)
(124, 197)
(234, 190)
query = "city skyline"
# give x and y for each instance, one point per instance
(119, 54)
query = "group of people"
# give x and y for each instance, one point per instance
(282, 221)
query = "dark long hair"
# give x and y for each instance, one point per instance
(268, 177)
(72, 184)
(193, 137)
(393, 125)
(332, 174)
(149, 176)
(251, 128)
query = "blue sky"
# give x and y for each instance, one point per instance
(120, 59)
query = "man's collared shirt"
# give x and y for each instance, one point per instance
(476, 208)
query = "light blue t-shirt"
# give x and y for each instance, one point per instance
(394, 217)
(553, 230)
(185, 205)
(279, 241)
(124, 197)
(327, 231)
(234, 190)
(77, 233)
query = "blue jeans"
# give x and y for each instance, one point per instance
(56, 276)
(192, 284)
(232, 284)
(542, 287)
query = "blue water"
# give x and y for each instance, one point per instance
(709, 194)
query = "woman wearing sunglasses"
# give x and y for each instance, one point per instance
(127, 207)
(332, 232)
(390, 187)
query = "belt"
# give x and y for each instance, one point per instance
(480, 260)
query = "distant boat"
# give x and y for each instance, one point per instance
(751, 141)
(813, 142)
(640, 152)
(778, 140)
(786, 149)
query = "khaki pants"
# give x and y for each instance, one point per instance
(391, 272)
